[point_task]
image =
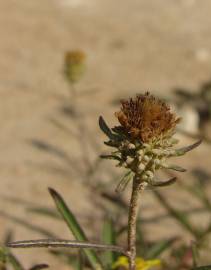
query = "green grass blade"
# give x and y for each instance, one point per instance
(169, 182)
(75, 228)
(109, 238)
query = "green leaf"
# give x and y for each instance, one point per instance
(175, 168)
(112, 143)
(164, 183)
(183, 150)
(75, 228)
(111, 157)
(104, 127)
(158, 248)
(109, 238)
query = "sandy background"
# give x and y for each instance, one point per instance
(131, 47)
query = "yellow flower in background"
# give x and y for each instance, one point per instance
(141, 264)
(74, 65)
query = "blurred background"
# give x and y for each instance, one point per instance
(131, 47)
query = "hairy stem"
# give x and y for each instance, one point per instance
(55, 243)
(133, 213)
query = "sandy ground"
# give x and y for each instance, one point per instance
(131, 46)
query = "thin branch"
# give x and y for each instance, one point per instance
(132, 219)
(55, 243)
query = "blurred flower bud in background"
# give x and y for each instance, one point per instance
(74, 65)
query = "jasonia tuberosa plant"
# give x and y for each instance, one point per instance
(144, 141)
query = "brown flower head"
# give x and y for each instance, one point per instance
(146, 118)
(144, 140)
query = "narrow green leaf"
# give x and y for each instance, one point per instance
(75, 228)
(164, 183)
(175, 168)
(111, 157)
(104, 127)
(109, 238)
(183, 150)
(158, 248)
(112, 143)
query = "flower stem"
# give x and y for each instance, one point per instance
(133, 213)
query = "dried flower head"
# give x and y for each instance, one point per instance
(144, 140)
(74, 65)
(146, 117)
